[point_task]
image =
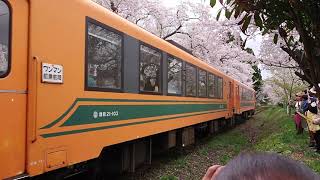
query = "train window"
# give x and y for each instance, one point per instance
(241, 93)
(219, 92)
(191, 80)
(247, 95)
(104, 58)
(174, 76)
(202, 83)
(4, 39)
(150, 69)
(212, 85)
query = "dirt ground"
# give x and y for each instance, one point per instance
(192, 162)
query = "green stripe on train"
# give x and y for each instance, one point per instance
(49, 135)
(90, 114)
(113, 100)
(246, 104)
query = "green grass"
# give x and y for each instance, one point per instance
(232, 139)
(228, 145)
(271, 130)
(180, 162)
(284, 140)
(168, 177)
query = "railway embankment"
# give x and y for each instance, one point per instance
(269, 130)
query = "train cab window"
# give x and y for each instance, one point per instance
(174, 76)
(4, 39)
(202, 84)
(212, 86)
(191, 80)
(104, 58)
(150, 70)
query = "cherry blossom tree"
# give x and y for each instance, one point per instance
(273, 56)
(283, 85)
(218, 44)
(151, 15)
(193, 26)
(3, 59)
(295, 22)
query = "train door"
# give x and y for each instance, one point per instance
(13, 86)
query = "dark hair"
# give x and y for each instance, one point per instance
(312, 94)
(304, 97)
(265, 166)
(313, 110)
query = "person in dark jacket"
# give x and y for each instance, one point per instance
(304, 103)
(149, 86)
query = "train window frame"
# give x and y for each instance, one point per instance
(181, 76)
(243, 97)
(198, 81)
(222, 87)
(185, 79)
(108, 28)
(214, 88)
(244, 94)
(160, 92)
(9, 40)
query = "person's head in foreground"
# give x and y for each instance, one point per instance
(261, 166)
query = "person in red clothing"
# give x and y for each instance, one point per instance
(297, 118)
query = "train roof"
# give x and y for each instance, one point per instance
(153, 40)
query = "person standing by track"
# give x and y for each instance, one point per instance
(304, 109)
(297, 117)
(314, 129)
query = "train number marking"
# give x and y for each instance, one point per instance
(101, 114)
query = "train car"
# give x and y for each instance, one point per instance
(82, 88)
(246, 101)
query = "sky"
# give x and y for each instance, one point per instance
(253, 43)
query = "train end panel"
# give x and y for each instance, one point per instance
(13, 87)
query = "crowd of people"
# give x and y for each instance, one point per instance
(266, 166)
(307, 116)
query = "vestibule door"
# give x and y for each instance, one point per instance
(13, 86)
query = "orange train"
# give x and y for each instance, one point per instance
(81, 85)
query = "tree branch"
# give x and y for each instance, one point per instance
(173, 33)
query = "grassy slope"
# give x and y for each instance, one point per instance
(285, 141)
(270, 130)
